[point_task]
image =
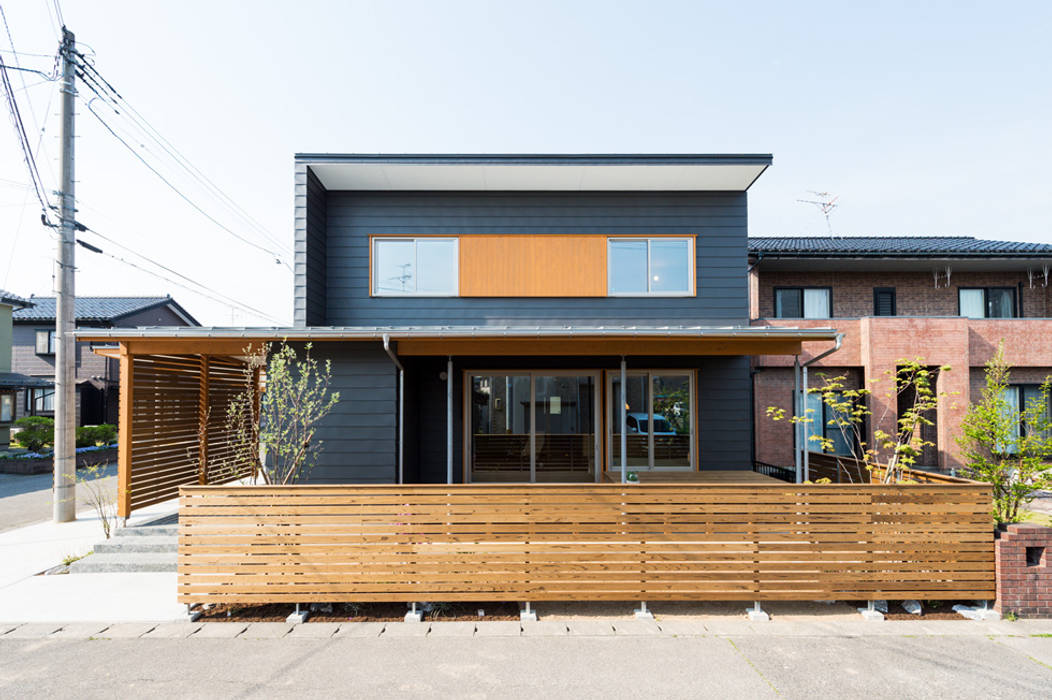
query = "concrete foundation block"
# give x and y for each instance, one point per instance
(298, 617)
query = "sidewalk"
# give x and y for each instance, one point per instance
(27, 551)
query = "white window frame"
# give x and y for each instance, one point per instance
(692, 265)
(615, 375)
(375, 291)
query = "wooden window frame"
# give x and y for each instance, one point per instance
(374, 238)
(692, 266)
(465, 380)
(608, 418)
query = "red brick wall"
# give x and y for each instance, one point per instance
(915, 292)
(773, 386)
(1021, 589)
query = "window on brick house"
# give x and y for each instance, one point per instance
(986, 302)
(883, 301)
(803, 302)
(1017, 398)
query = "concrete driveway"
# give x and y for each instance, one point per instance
(26, 499)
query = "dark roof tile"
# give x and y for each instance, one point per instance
(894, 246)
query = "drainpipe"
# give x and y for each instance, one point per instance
(401, 407)
(449, 420)
(803, 400)
(624, 424)
(797, 454)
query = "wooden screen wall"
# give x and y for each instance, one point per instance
(592, 542)
(169, 396)
(533, 266)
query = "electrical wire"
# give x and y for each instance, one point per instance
(229, 300)
(23, 140)
(121, 108)
(238, 306)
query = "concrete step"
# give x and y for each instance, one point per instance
(151, 544)
(148, 531)
(125, 562)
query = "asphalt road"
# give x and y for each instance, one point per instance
(749, 666)
(26, 499)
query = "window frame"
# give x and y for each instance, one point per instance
(11, 398)
(51, 333)
(374, 292)
(31, 394)
(801, 289)
(692, 266)
(877, 291)
(986, 301)
(612, 464)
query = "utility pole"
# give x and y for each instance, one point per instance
(65, 493)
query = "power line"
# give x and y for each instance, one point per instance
(226, 301)
(23, 140)
(175, 189)
(229, 300)
(123, 109)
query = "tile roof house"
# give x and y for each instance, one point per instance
(96, 376)
(10, 382)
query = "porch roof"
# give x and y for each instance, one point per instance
(478, 340)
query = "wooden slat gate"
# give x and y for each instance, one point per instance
(584, 542)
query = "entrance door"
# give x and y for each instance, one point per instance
(533, 426)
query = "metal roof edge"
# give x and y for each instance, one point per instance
(541, 158)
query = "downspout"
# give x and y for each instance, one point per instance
(449, 420)
(803, 401)
(624, 424)
(401, 406)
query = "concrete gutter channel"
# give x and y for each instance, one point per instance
(672, 627)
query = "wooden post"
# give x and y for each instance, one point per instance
(202, 421)
(124, 434)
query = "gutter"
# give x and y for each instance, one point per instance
(401, 407)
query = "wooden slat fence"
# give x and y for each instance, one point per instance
(170, 397)
(536, 542)
(848, 470)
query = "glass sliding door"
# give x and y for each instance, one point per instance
(659, 420)
(533, 426)
(565, 435)
(500, 427)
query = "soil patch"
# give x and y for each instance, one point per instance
(363, 612)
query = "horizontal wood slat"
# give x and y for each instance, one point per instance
(584, 542)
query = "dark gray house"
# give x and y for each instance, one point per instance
(33, 350)
(563, 318)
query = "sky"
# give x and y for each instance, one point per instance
(922, 118)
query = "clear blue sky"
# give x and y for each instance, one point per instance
(925, 118)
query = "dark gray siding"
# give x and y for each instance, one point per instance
(359, 436)
(718, 220)
(725, 413)
(310, 253)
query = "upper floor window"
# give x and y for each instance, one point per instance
(883, 301)
(45, 342)
(650, 266)
(803, 302)
(423, 267)
(989, 302)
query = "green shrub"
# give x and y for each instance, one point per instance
(36, 432)
(92, 435)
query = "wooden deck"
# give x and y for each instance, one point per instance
(721, 476)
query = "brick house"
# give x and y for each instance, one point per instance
(33, 350)
(948, 301)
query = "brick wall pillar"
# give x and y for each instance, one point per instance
(1022, 555)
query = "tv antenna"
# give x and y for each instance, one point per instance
(826, 202)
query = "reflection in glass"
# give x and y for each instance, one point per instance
(564, 441)
(627, 273)
(672, 420)
(637, 422)
(669, 265)
(500, 428)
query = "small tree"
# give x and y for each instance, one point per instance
(851, 411)
(284, 419)
(1006, 445)
(35, 432)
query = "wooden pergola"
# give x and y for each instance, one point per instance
(176, 383)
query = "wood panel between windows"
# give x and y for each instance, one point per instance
(533, 266)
